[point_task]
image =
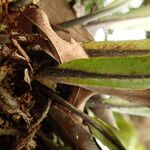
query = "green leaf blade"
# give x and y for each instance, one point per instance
(119, 66)
(101, 137)
(118, 72)
(127, 133)
(117, 48)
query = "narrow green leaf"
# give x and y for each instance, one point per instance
(124, 72)
(108, 129)
(117, 48)
(127, 134)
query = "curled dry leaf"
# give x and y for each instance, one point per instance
(79, 97)
(34, 18)
(17, 56)
(23, 53)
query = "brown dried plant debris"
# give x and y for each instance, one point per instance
(27, 45)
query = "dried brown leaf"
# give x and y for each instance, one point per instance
(23, 53)
(79, 97)
(21, 50)
(63, 51)
(17, 56)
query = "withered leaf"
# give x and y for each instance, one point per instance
(79, 97)
(34, 18)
